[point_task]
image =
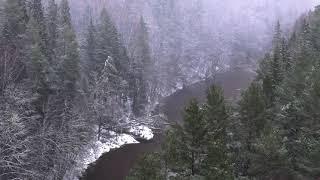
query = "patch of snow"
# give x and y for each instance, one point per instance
(285, 107)
(179, 86)
(95, 150)
(142, 131)
(99, 148)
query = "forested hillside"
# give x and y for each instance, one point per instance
(56, 94)
(190, 38)
(79, 78)
(273, 132)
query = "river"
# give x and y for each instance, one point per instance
(116, 164)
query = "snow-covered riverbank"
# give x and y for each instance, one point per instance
(99, 147)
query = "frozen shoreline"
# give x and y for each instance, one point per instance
(99, 147)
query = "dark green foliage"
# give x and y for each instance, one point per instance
(90, 50)
(285, 147)
(16, 21)
(109, 44)
(52, 25)
(37, 14)
(12, 43)
(198, 149)
(193, 137)
(150, 167)
(67, 51)
(218, 164)
(141, 69)
(252, 110)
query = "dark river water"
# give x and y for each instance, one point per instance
(116, 164)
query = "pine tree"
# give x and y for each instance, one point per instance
(16, 21)
(316, 27)
(142, 69)
(13, 43)
(296, 122)
(91, 51)
(188, 142)
(52, 24)
(272, 69)
(37, 13)
(218, 163)
(149, 167)
(252, 117)
(107, 103)
(269, 160)
(37, 67)
(109, 44)
(68, 54)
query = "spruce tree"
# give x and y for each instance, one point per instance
(37, 13)
(142, 69)
(252, 117)
(272, 68)
(68, 54)
(218, 162)
(37, 66)
(315, 19)
(16, 21)
(52, 25)
(91, 50)
(109, 44)
(149, 167)
(189, 142)
(13, 43)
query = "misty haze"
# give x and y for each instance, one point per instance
(159, 90)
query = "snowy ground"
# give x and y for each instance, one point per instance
(142, 131)
(98, 148)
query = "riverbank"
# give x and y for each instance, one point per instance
(116, 164)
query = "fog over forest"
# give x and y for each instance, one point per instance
(159, 89)
(189, 35)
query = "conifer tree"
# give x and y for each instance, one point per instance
(218, 162)
(142, 69)
(68, 51)
(150, 167)
(13, 44)
(272, 68)
(252, 117)
(91, 50)
(38, 16)
(109, 44)
(37, 66)
(52, 25)
(316, 27)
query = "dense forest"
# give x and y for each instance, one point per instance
(273, 131)
(73, 72)
(57, 94)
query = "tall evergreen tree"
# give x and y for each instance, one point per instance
(252, 117)
(142, 69)
(68, 51)
(150, 167)
(218, 163)
(91, 50)
(13, 43)
(38, 15)
(52, 24)
(109, 44)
